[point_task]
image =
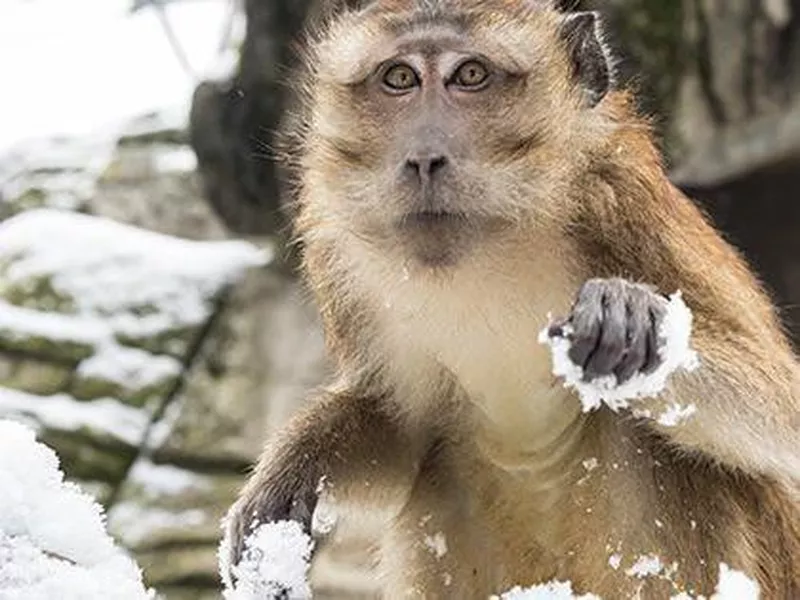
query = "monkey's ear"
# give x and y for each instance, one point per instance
(591, 61)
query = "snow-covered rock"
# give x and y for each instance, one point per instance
(97, 319)
(53, 542)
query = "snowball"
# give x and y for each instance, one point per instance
(276, 559)
(53, 542)
(675, 354)
(555, 590)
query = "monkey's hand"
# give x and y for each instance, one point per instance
(274, 495)
(614, 329)
(342, 442)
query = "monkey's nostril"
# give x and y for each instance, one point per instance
(424, 168)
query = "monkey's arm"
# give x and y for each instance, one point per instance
(340, 438)
(747, 389)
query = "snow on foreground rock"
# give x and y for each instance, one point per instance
(275, 564)
(106, 268)
(53, 542)
(675, 354)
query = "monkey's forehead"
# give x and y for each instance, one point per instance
(517, 34)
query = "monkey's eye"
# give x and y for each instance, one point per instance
(470, 75)
(400, 78)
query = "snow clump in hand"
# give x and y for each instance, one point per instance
(274, 564)
(675, 353)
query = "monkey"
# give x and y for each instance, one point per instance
(462, 169)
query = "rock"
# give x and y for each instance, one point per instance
(52, 173)
(251, 373)
(155, 366)
(169, 517)
(96, 440)
(130, 374)
(33, 375)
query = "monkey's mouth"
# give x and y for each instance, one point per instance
(436, 238)
(434, 219)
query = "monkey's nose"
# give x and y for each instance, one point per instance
(424, 167)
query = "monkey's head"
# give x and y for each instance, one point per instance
(437, 128)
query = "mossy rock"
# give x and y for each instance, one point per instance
(36, 293)
(101, 491)
(34, 376)
(194, 566)
(33, 197)
(83, 458)
(67, 351)
(92, 388)
(173, 342)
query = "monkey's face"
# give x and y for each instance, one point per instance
(436, 131)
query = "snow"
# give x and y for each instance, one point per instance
(65, 169)
(166, 480)
(276, 558)
(555, 590)
(53, 542)
(24, 323)
(130, 368)
(675, 354)
(62, 412)
(735, 585)
(646, 566)
(108, 267)
(103, 64)
(175, 160)
(134, 523)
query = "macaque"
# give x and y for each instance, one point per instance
(463, 169)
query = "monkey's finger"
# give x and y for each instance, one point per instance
(611, 346)
(586, 321)
(556, 329)
(653, 343)
(638, 324)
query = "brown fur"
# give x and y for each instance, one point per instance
(445, 405)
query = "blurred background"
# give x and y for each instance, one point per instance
(151, 325)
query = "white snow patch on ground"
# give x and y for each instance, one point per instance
(276, 558)
(24, 323)
(675, 354)
(164, 480)
(64, 413)
(66, 170)
(53, 542)
(134, 523)
(555, 590)
(130, 368)
(108, 267)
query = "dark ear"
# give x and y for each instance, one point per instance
(590, 60)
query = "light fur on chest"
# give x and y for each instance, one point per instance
(480, 324)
